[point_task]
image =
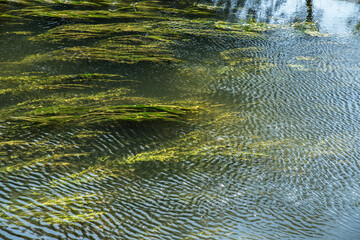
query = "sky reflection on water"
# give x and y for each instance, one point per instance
(333, 16)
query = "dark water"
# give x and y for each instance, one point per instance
(276, 157)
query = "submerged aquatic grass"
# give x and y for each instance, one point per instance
(134, 42)
(62, 114)
(59, 210)
(32, 82)
(93, 108)
(83, 103)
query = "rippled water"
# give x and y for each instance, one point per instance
(275, 157)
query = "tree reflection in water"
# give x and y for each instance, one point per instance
(309, 4)
(332, 16)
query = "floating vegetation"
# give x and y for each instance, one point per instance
(309, 28)
(250, 26)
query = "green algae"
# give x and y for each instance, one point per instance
(23, 33)
(92, 109)
(130, 43)
(309, 28)
(30, 155)
(304, 58)
(201, 144)
(66, 3)
(122, 49)
(93, 173)
(118, 43)
(62, 107)
(124, 10)
(104, 98)
(197, 146)
(173, 27)
(298, 67)
(54, 159)
(9, 17)
(80, 32)
(55, 210)
(40, 12)
(30, 82)
(89, 114)
(250, 27)
(88, 134)
(239, 52)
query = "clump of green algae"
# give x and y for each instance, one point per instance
(86, 114)
(29, 82)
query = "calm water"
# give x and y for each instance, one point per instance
(276, 157)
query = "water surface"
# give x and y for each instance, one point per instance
(274, 156)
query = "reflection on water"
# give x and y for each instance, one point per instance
(274, 153)
(333, 16)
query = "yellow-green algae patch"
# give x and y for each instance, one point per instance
(168, 29)
(149, 41)
(39, 12)
(75, 32)
(309, 28)
(109, 97)
(202, 144)
(92, 109)
(85, 114)
(72, 3)
(60, 107)
(23, 33)
(45, 160)
(251, 26)
(27, 156)
(124, 10)
(303, 58)
(56, 210)
(196, 145)
(28, 82)
(97, 172)
(122, 49)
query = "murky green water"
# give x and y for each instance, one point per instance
(172, 120)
